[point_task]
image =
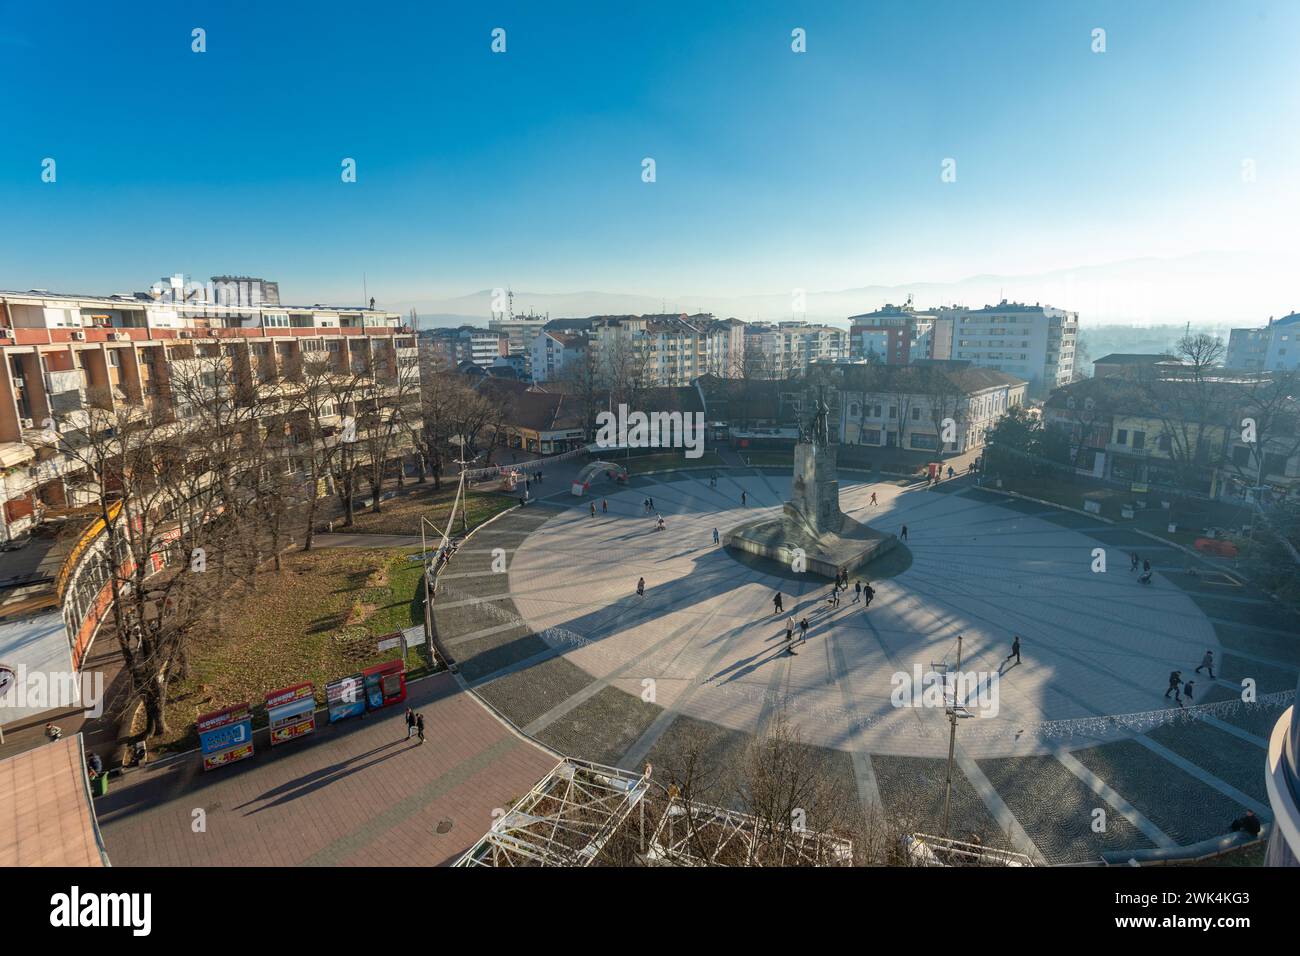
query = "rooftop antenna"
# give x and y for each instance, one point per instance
(365, 291)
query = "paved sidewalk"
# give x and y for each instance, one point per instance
(358, 794)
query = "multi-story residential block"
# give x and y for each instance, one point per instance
(788, 348)
(1033, 342)
(63, 356)
(894, 335)
(553, 352)
(468, 343)
(520, 332)
(1273, 348)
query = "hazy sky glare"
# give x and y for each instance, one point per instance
(775, 170)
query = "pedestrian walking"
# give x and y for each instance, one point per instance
(1187, 691)
(951, 473)
(857, 591)
(868, 593)
(873, 499)
(1146, 566)
(743, 498)
(659, 525)
(410, 723)
(1015, 649)
(803, 630)
(715, 535)
(652, 504)
(419, 726)
(1133, 561)
(1208, 663)
(903, 534)
(789, 634)
(593, 509)
(604, 506)
(640, 587)
(776, 603)
(1175, 682)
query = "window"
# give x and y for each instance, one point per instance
(925, 441)
(1139, 440)
(893, 411)
(1121, 437)
(916, 414)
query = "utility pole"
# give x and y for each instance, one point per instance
(952, 742)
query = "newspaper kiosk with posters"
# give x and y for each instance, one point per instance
(225, 736)
(346, 697)
(385, 684)
(291, 712)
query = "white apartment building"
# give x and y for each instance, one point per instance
(1273, 348)
(788, 348)
(553, 352)
(1032, 342)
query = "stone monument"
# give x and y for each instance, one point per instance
(811, 527)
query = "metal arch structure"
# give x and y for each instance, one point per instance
(582, 482)
(565, 820)
(699, 835)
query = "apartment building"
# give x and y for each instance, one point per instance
(553, 352)
(1273, 348)
(63, 355)
(788, 348)
(1032, 342)
(520, 332)
(468, 343)
(894, 335)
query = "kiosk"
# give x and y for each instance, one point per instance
(385, 684)
(225, 736)
(291, 712)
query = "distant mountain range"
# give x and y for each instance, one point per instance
(1217, 288)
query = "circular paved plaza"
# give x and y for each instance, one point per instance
(707, 635)
(541, 614)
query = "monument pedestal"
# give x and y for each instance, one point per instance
(812, 523)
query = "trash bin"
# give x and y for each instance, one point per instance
(99, 786)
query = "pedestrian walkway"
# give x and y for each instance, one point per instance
(358, 793)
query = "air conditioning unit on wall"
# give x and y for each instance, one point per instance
(121, 337)
(78, 335)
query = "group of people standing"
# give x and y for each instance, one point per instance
(1184, 690)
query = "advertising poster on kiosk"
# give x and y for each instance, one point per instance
(225, 736)
(291, 712)
(346, 697)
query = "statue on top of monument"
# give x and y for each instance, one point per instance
(817, 430)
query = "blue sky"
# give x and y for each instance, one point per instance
(775, 170)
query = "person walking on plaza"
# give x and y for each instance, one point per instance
(1133, 561)
(789, 633)
(868, 592)
(652, 504)
(1146, 566)
(1015, 649)
(903, 534)
(1208, 663)
(640, 587)
(803, 630)
(873, 499)
(951, 473)
(593, 509)
(1187, 691)
(744, 497)
(410, 723)
(776, 603)
(857, 592)
(419, 726)
(715, 535)
(604, 506)
(1175, 682)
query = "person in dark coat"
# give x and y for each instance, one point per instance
(1015, 649)
(419, 726)
(410, 723)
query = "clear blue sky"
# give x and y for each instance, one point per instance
(775, 170)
